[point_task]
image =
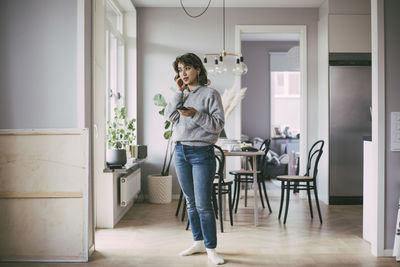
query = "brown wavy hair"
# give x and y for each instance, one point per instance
(190, 59)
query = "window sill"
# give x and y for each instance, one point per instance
(128, 168)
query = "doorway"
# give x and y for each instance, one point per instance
(279, 31)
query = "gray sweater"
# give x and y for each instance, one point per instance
(204, 127)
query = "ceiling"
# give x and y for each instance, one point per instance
(228, 3)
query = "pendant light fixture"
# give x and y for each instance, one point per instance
(218, 66)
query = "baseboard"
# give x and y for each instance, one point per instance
(91, 250)
(61, 259)
(173, 196)
(343, 200)
(388, 253)
(122, 213)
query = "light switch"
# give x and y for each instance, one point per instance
(395, 131)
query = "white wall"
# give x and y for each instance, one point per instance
(164, 33)
(38, 75)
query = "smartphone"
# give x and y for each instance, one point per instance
(183, 108)
(180, 82)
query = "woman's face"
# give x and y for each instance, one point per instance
(188, 74)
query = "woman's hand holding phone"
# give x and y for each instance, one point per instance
(179, 82)
(188, 111)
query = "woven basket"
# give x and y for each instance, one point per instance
(160, 189)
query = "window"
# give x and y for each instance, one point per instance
(115, 59)
(285, 84)
(285, 95)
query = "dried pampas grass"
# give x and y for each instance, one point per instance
(231, 98)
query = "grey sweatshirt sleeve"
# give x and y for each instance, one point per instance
(171, 113)
(212, 122)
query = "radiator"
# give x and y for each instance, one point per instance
(129, 187)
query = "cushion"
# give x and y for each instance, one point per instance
(275, 161)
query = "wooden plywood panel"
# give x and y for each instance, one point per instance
(44, 195)
(43, 163)
(41, 228)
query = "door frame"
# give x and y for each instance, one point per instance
(378, 124)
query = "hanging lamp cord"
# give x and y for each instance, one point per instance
(195, 16)
(223, 15)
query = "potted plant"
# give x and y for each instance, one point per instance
(160, 185)
(120, 134)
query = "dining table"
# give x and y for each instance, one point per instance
(246, 154)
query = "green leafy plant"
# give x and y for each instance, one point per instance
(159, 101)
(120, 130)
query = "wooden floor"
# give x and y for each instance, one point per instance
(151, 235)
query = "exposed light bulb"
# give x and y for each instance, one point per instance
(211, 71)
(240, 68)
(244, 67)
(218, 70)
(221, 68)
(209, 68)
(214, 69)
(237, 70)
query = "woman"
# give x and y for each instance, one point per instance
(198, 115)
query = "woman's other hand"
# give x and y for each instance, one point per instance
(190, 112)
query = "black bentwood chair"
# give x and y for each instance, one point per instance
(246, 176)
(307, 182)
(222, 187)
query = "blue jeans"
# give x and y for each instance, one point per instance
(195, 167)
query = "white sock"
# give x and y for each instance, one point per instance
(214, 257)
(197, 247)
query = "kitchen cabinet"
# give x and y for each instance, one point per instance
(349, 33)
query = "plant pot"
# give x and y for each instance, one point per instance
(116, 157)
(160, 188)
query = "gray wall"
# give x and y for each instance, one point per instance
(257, 81)
(164, 33)
(392, 59)
(38, 64)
